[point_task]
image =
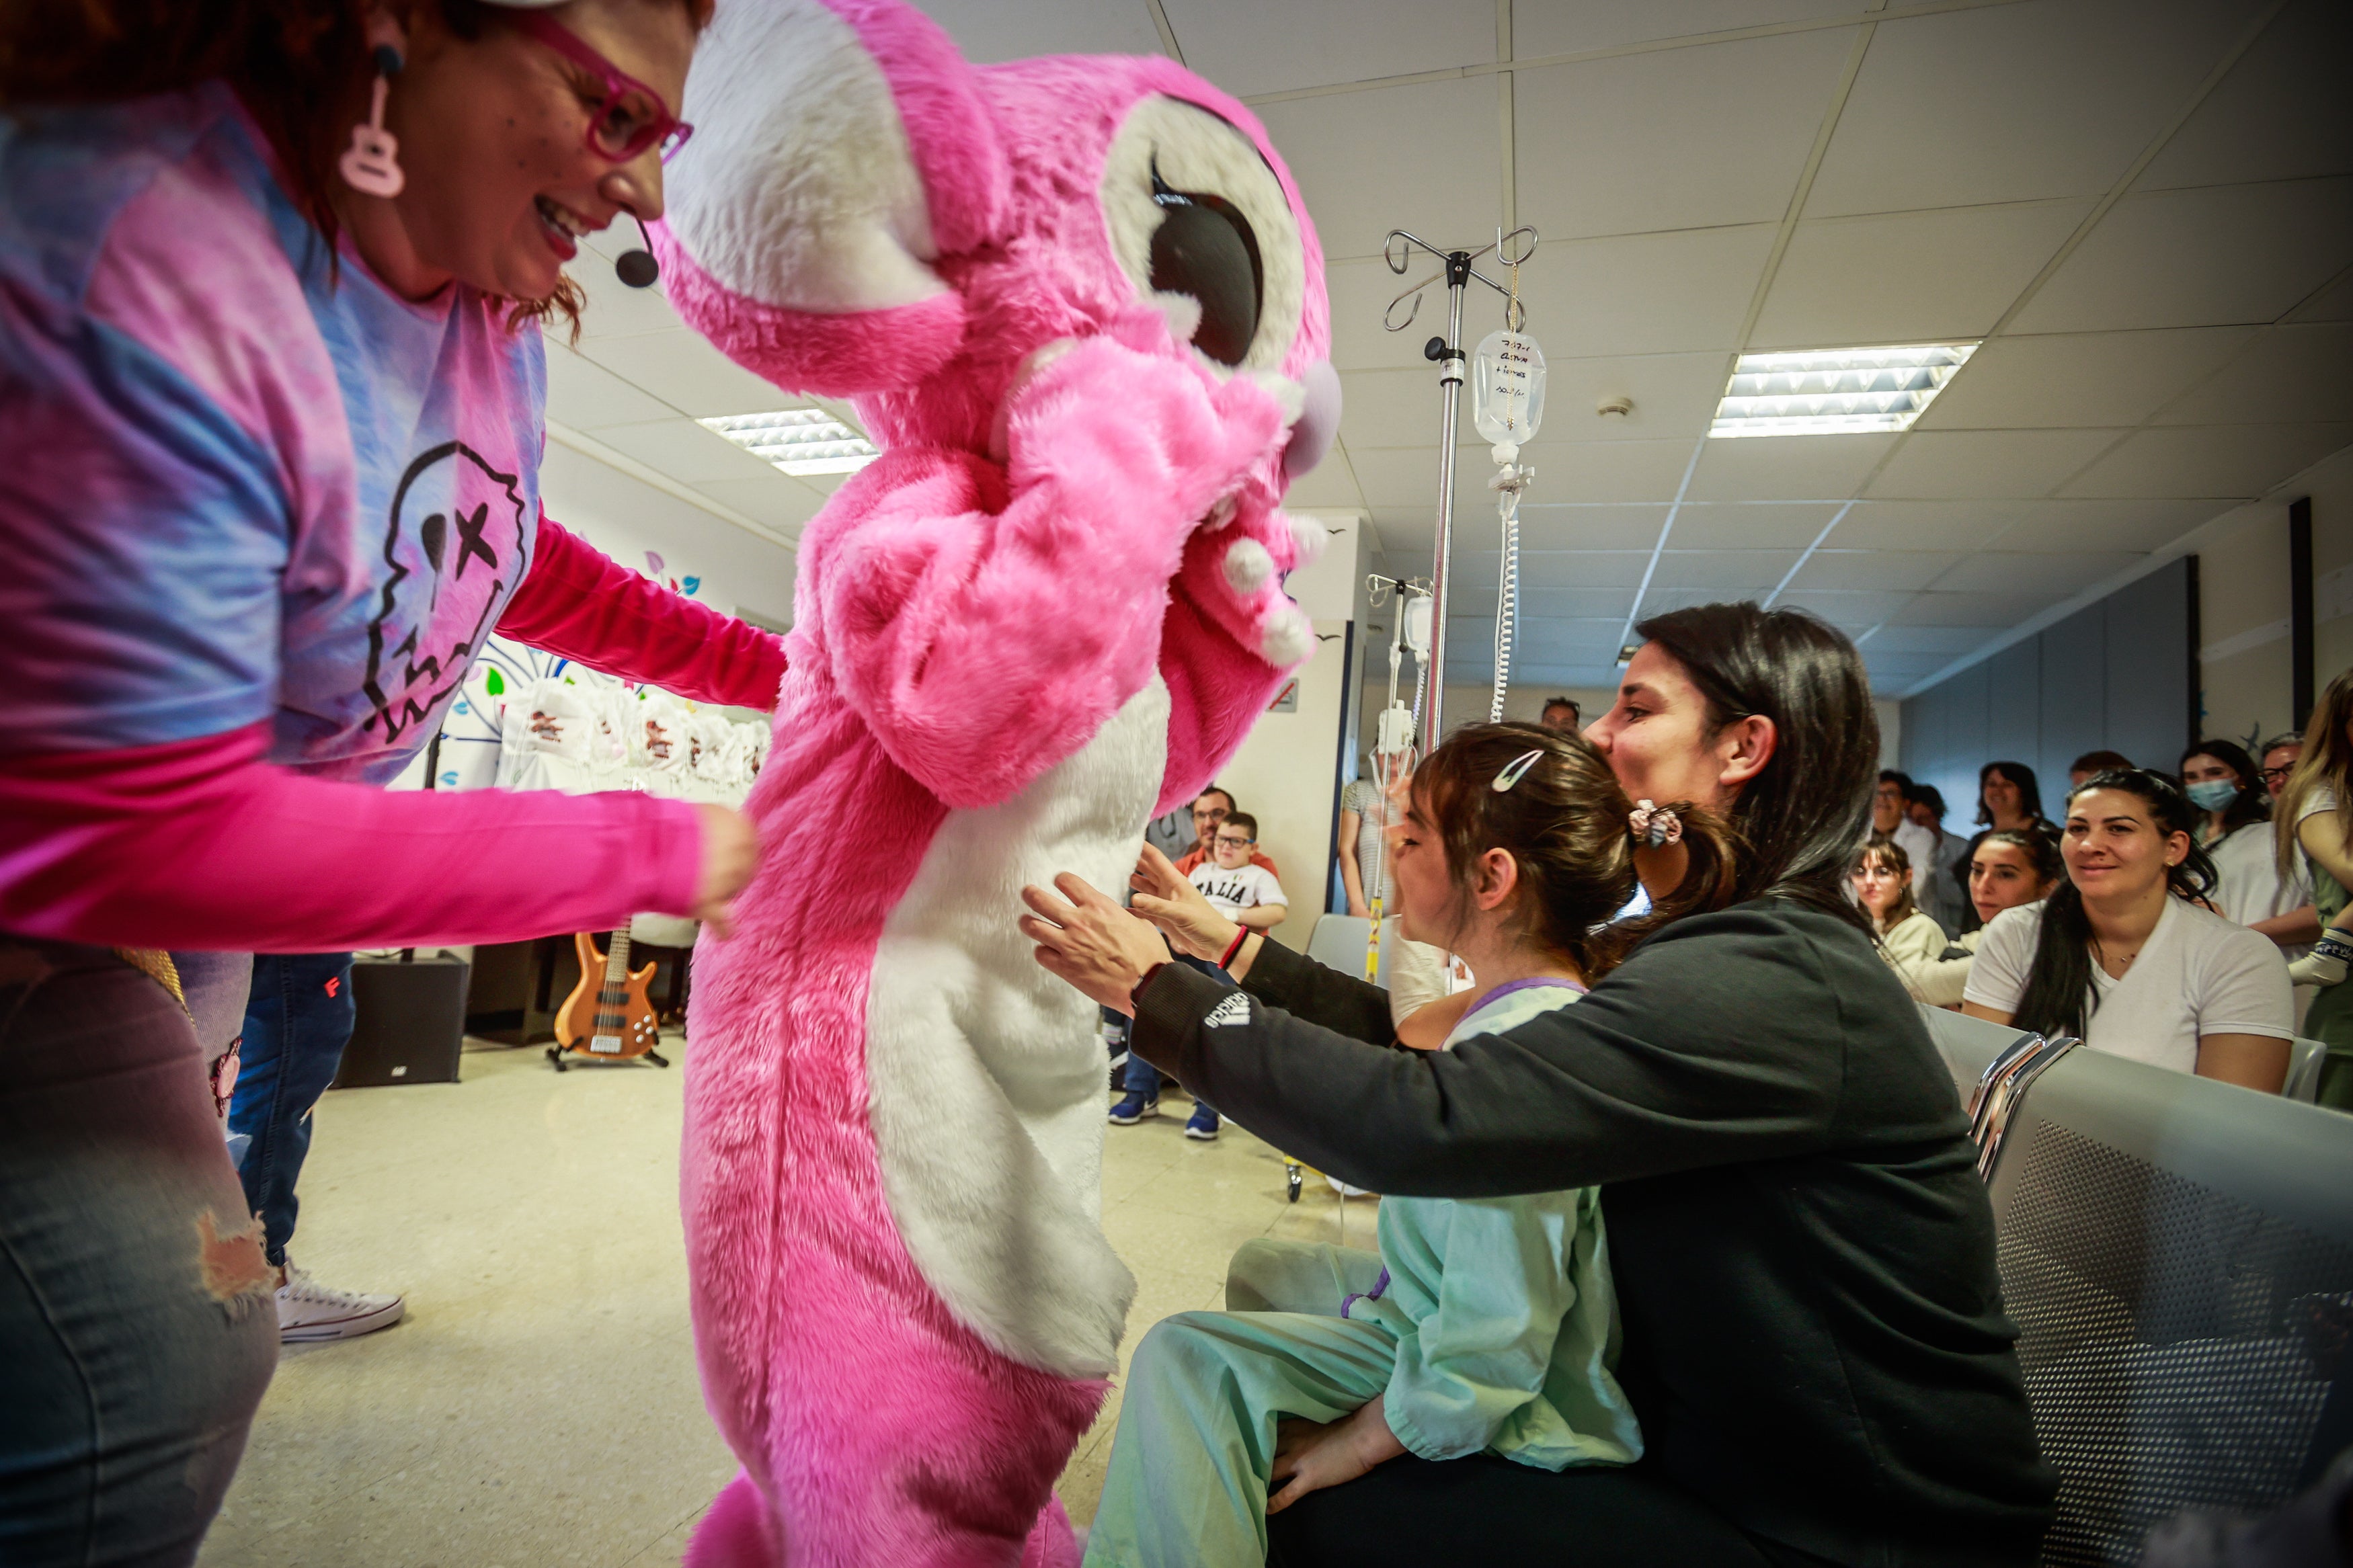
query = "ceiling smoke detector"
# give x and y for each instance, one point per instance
(1617, 406)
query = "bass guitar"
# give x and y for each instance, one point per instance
(607, 1016)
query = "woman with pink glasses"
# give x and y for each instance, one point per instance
(272, 398)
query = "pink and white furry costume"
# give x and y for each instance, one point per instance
(1079, 304)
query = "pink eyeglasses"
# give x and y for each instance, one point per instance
(632, 117)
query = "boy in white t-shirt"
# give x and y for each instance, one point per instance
(1244, 892)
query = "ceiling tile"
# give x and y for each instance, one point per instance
(2241, 461)
(2289, 376)
(1407, 478)
(1786, 467)
(1710, 134)
(773, 498)
(1945, 642)
(1643, 294)
(1575, 603)
(1766, 526)
(2002, 571)
(614, 310)
(1908, 277)
(1590, 527)
(2010, 103)
(1673, 395)
(1331, 482)
(1956, 464)
(2212, 257)
(1427, 157)
(1730, 572)
(2138, 526)
(2280, 114)
(685, 451)
(685, 372)
(1247, 47)
(2078, 379)
(1566, 26)
(1875, 571)
(1578, 568)
(1607, 470)
(1361, 290)
(1924, 525)
(991, 31)
(1845, 608)
(1396, 408)
(2332, 303)
(587, 396)
(2005, 609)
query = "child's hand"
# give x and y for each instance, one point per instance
(1308, 1456)
(1164, 897)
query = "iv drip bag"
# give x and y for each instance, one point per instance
(1507, 388)
(1416, 623)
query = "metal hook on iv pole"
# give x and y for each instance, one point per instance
(1397, 250)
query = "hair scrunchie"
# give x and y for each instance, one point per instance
(1654, 824)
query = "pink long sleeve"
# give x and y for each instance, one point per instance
(578, 602)
(200, 843)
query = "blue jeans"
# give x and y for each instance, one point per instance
(134, 1303)
(297, 1020)
(1141, 1074)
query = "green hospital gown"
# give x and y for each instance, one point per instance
(1489, 1324)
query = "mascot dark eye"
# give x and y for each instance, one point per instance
(1205, 247)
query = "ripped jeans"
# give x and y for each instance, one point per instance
(134, 1301)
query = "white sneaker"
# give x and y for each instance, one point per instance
(308, 1310)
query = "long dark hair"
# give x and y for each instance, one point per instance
(1801, 817)
(1565, 821)
(2248, 805)
(2058, 999)
(2030, 794)
(1893, 857)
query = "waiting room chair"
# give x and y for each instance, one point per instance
(2305, 1058)
(2177, 1256)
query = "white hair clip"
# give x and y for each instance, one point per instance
(1653, 825)
(1515, 770)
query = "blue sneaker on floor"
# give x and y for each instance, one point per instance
(1203, 1124)
(1134, 1109)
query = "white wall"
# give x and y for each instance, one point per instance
(2242, 590)
(624, 518)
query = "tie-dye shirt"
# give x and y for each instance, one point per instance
(259, 514)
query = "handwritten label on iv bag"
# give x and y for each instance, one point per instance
(1507, 388)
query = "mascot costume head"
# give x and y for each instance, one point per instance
(1079, 305)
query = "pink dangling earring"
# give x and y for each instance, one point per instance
(371, 163)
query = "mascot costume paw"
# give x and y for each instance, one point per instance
(1079, 305)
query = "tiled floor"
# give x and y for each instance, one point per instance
(538, 1407)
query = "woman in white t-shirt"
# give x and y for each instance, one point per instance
(2010, 866)
(2119, 955)
(2234, 830)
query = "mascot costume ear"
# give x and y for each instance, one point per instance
(1079, 306)
(853, 151)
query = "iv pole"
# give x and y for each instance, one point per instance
(1446, 351)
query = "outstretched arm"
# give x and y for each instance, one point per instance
(578, 602)
(984, 623)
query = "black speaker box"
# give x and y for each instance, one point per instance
(410, 1024)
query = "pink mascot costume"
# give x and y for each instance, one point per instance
(1079, 306)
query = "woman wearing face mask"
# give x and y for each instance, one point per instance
(271, 397)
(2010, 867)
(2121, 955)
(1814, 1345)
(2224, 783)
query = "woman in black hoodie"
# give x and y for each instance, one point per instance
(1814, 1338)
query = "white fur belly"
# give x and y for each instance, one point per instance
(986, 1077)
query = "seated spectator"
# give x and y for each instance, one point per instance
(1944, 892)
(1891, 820)
(2314, 820)
(2008, 798)
(1881, 879)
(1484, 1326)
(2122, 955)
(1212, 807)
(2091, 762)
(2234, 828)
(2008, 869)
(2279, 754)
(1562, 714)
(1237, 882)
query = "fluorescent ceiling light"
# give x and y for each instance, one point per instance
(799, 440)
(1836, 391)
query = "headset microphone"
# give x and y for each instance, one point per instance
(638, 269)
